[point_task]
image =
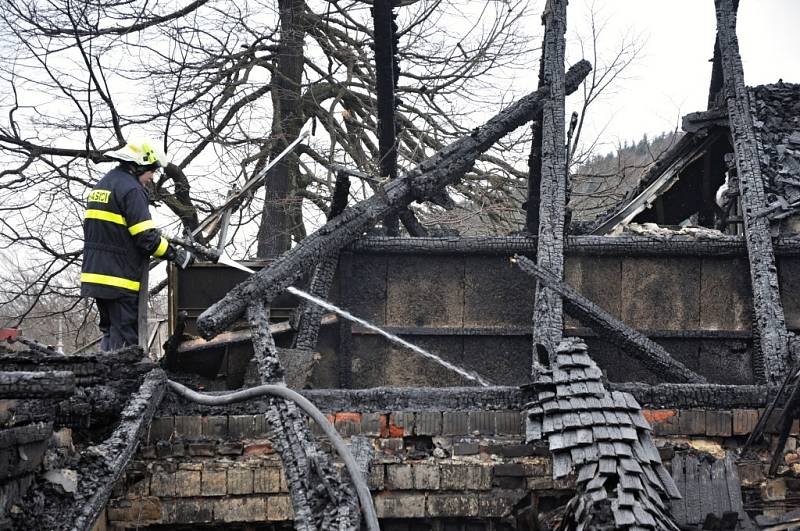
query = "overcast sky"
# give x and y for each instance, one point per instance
(672, 76)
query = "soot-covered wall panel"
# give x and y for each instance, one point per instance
(659, 294)
(377, 362)
(503, 360)
(496, 294)
(789, 279)
(425, 291)
(365, 292)
(725, 296)
(723, 361)
(598, 278)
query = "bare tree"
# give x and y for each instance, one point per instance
(211, 79)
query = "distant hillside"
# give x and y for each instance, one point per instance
(603, 181)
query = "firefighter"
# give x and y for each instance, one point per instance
(119, 238)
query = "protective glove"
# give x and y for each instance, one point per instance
(179, 256)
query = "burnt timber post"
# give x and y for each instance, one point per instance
(770, 323)
(548, 319)
(535, 165)
(386, 73)
(309, 315)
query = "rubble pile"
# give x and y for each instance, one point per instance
(53, 471)
(776, 117)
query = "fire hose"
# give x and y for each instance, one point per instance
(364, 497)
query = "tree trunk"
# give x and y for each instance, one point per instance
(282, 216)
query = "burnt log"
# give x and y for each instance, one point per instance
(109, 460)
(548, 318)
(626, 244)
(651, 354)
(50, 384)
(421, 183)
(22, 449)
(770, 323)
(306, 466)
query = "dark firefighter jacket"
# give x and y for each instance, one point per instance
(119, 237)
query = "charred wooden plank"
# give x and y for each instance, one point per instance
(423, 182)
(112, 456)
(689, 396)
(49, 384)
(651, 354)
(548, 318)
(242, 336)
(769, 317)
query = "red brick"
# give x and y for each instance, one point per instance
(654, 416)
(259, 449)
(348, 424)
(400, 425)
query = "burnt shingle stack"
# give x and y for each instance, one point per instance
(603, 438)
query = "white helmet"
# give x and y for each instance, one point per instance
(141, 153)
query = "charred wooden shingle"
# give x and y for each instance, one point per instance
(603, 439)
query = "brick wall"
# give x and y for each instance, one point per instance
(429, 466)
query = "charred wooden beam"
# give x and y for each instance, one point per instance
(548, 319)
(651, 354)
(499, 398)
(770, 323)
(428, 178)
(386, 73)
(407, 216)
(305, 465)
(715, 99)
(535, 164)
(111, 457)
(309, 315)
(625, 245)
(48, 384)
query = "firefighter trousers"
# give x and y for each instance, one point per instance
(119, 322)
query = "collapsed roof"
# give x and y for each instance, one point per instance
(681, 179)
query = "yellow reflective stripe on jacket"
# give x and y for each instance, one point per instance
(108, 280)
(104, 215)
(141, 227)
(162, 248)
